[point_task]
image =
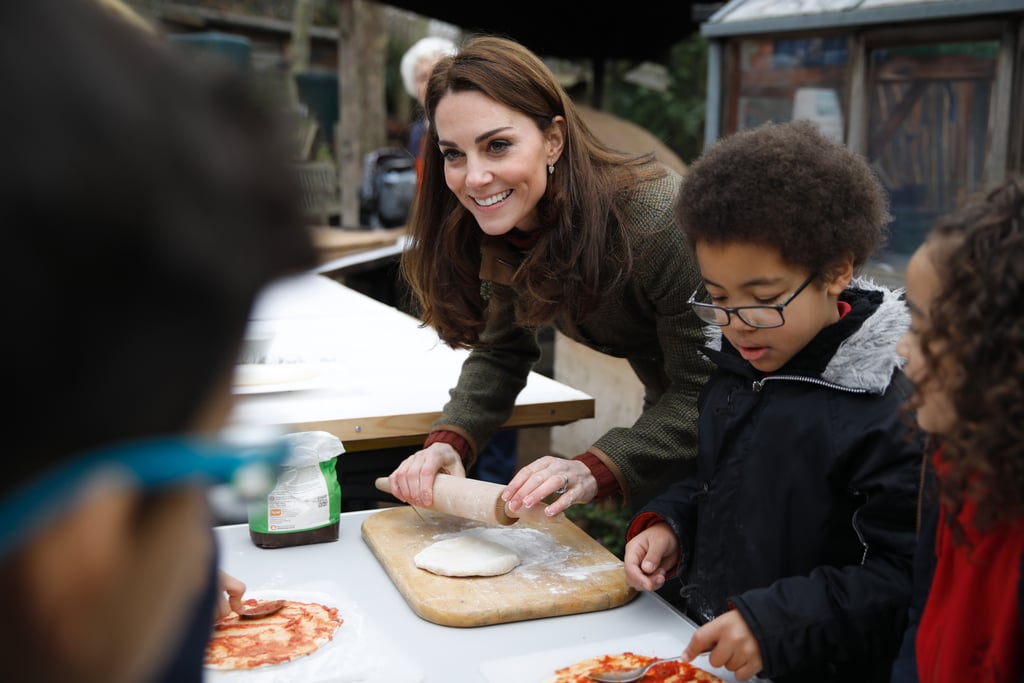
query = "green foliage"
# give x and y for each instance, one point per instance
(605, 521)
(675, 116)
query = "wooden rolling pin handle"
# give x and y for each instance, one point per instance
(468, 498)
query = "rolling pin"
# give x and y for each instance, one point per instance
(469, 498)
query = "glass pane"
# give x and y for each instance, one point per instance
(782, 80)
(927, 130)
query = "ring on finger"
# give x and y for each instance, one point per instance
(565, 485)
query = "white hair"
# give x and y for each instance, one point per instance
(424, 48)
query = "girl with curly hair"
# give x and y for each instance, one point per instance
(965, 351)
(792, 541)
(526, 220)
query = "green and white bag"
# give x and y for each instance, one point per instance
(305, 504)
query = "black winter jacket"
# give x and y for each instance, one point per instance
(802, 512)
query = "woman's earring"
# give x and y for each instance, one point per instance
(551, 169)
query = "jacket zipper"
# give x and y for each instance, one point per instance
(759, 383)
(856, 530)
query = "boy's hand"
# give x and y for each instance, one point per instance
(731, 644)
(229, 594)
(649, 556)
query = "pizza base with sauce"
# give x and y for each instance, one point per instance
(668, 672)
(296, 630)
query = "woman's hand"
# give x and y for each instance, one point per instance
(229, 594)
(413, 480)
(571, 480)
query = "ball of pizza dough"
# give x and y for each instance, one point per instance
(467, 556)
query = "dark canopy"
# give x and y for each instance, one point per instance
(575, 30)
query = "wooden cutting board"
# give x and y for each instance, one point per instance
(562, 569)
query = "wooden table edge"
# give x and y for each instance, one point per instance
(370, 433)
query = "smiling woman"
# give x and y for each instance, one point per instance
(525, 219)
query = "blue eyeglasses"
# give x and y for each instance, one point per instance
(764, 317)
(248, 465)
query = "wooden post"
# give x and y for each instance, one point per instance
(362, 43)
(375, 44)
(302, 17)
(346, 142)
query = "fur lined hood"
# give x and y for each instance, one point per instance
(861, 359)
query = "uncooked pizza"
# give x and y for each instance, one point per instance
(667, 672)
(296, 630)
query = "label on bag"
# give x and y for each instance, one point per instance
(303, 499)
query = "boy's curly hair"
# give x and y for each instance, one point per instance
(973, 347)
(789, 187)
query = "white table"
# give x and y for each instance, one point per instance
(380, 378)
(403, 648)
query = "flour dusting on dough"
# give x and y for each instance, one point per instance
(538, 553)
(466, 555)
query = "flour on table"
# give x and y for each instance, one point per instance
(466, 555)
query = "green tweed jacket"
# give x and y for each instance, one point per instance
(645, 320)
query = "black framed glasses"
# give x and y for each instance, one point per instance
(763, 317)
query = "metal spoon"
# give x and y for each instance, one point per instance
(627, 676)
(256, 610)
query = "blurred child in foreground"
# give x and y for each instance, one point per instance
(143, 207)
(965, 357)
(794, 537)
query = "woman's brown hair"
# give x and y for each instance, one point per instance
(582, 247)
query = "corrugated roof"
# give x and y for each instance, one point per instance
(740, 17)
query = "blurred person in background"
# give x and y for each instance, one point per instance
(415, 67)
(144, 205)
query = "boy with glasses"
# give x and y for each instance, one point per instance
(794, 537)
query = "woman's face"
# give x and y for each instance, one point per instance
(495, 159)
(935, 412)
(740, 274)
